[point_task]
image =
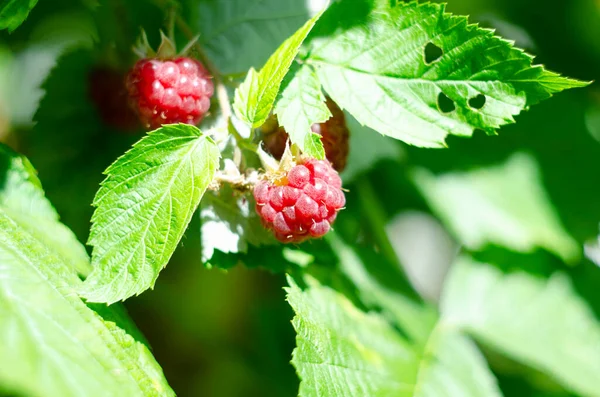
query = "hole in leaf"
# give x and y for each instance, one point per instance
(432, 53)
(477, 102)
(445, 104)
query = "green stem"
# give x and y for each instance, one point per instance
(242, 142)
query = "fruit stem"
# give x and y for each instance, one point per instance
(377, 219)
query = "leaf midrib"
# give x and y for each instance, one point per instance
(319, 61)
(167, 191)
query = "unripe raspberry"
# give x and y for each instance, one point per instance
(302, 205)
(334, 135)
(171, 91)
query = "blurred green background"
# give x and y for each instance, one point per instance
(228, 333)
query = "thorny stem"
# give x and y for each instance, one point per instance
(241, 183)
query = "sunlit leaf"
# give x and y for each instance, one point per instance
(504, 205)
(255, 97)
(143, 208)
(53, 344)
(416, 73)
(302, 104)
(542, 323)
(14, 12)
(22, 198)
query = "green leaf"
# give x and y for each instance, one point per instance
(14, 12)
(301, 105)
(22, 198)
(367, 148)
(230, 223)
(71, 160)
(53, 344)
(343, 351)
(373, 59)
(313, 146)
(415, 318)
(258, 24)
(143, 208)
(504, 205)
(542, 323)
(255, 97)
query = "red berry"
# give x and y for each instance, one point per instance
(334, 135)
(303, 205)
(108, 93)
(166, 92)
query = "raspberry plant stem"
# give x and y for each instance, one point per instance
(242, 142)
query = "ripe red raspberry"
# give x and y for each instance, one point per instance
(166, 92)
(304, 204)
(334, 135)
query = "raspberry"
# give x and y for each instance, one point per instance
(108, 93)
(334, 135)
(166, 92)
(304, 204)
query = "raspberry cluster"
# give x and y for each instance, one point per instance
(166, 92)
(304, 204)
(334, 135)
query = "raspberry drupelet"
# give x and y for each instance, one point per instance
(303, 205)
(171, 91)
